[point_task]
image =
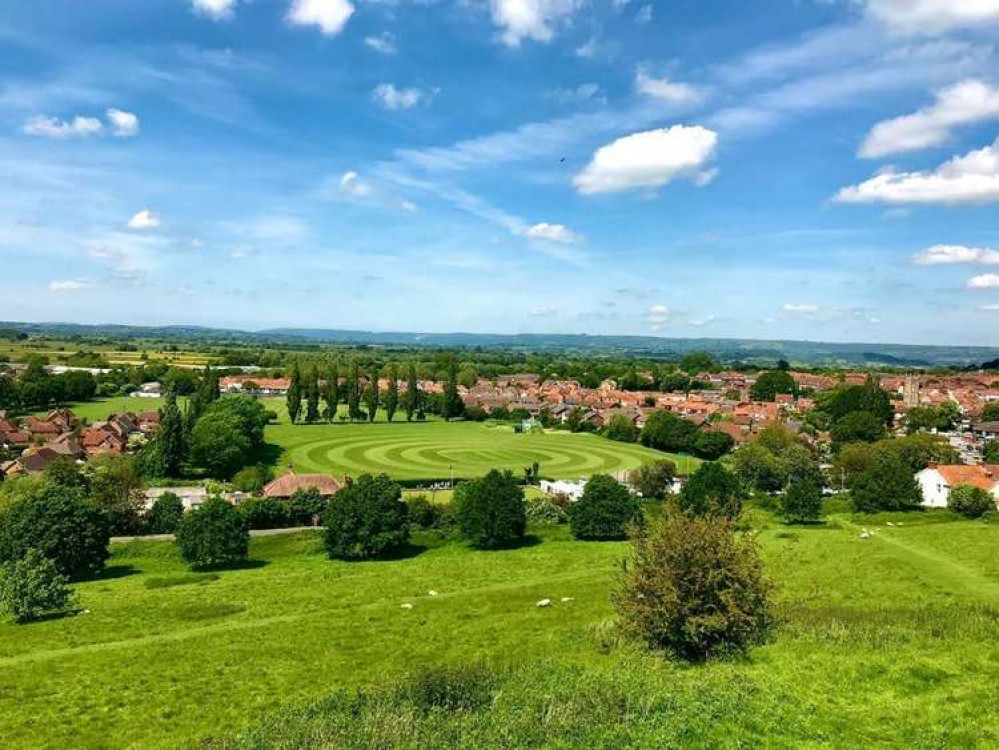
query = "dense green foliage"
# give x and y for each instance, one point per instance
(490, 510)
(653, 481)
(888, 484)
(213, 535)
(365, 519)
(858, 427)
(970, 502)
(802, 502)
(620, 427)
(264, 513)
(768, 384)
(695, 589)
(605, 511)
(668, 432)
(228, 435)
(711, 490)
(165, 514)
(32, 587)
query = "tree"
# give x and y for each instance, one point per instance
(888, 484)
(354, 392)
(116, 487)
(392, 393)
(264, 513)
(312, 395)
(991, 412)
(712, 444)
(694, 363)
(293, 398)
(605, 511)
(711, 490)
(206, 393)
(653, 481)
(695, 590)
(990, 453)
(770, 383)
(229, 435)
(621, 428)
(372, 395)
(411, 402)
(869, 397)
(61, 524)
(802, 502)
(306, 507)
(490, 510)
(165, 514)
(454, 407)
(331, 393)
(170, 436)
(252, 478)
(213, 535)
(32, 587)
(669, 432)
(367, 518)
(970, 502)
(757, 468)
(858, 427)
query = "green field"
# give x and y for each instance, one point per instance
(430, 450)
(100, 409)
(886, 642)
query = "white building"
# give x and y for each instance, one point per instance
(937, 480)
(148, 390)
(571, 489)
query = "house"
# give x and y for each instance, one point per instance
(148, 390)
(937, 480)
(190, 497)
(572, 490)
(257, 386)
(32, 461)
(287, 485)
(69, 445)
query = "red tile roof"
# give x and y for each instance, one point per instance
(287, 485)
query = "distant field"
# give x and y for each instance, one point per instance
(100, 409)
(432, 450)
(57, 351)
(886, 642)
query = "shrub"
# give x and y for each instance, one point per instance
(306, 507)
(213, 535)
(252, 478)
(712, 444)
(621, 428)
(970, 502)
(422, 512)
(165, 514)
(62, 525)
(653, 481)
(462, 687)
(802, 502)
(490, 511)
(695, 589)
(544, 511)
(711, 490)
(32, 587)
(888, 484)
(367, 518)
(264, 513)
(605, 510)
(669, 432)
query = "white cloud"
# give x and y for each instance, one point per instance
(644, 14)
(70, 285)
(940, 255)
(971, 178)
(989, 308)
(552, 233)
(706, 320)
(801, 309)
(351, 184)
(529, 19)
(123, 124)
(390, 97)
(409, 207)
(214, 9)
(659, 312)
(933, 16)
(665, 90)
(51, 127)
(985, 281)
(145, 219)
(543, 312)
(584, 92)
(383, 43)
(330, 16)
(649, 159)
(966, 102)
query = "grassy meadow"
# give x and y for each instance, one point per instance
(885, 642)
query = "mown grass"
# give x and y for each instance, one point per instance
(885, 642)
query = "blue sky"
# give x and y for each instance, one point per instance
(811, 169)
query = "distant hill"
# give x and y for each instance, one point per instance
(728, 350)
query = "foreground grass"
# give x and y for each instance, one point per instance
(888, 641)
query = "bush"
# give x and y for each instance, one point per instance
(711, 490)
(668, 432)
(306, 507)
(970, 502)
(621, 428)
(544, 511)
(252, 478)
(888, 484)
(802, 502)
(653, 481)
(214, 535)
(712, 445)
(695, 589)
(422, 512)
(490, 511)
(462, 687)
(264, 513)
(62, 525)
(165, 514)
(605, 510)
(32, 587)
(367, 518)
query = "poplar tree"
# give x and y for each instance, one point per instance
(312, 395)
(353, 392)
(331, 393)
(453, 405)
(294, 397)
(171, 436)
(392, 394)
(371, 395)
(411, 399)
